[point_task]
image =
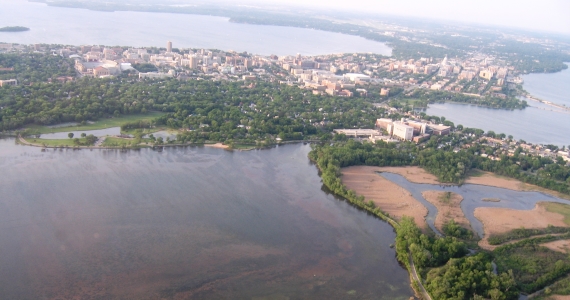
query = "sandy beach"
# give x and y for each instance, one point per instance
(500, 220)
(390, 197)
(447, 208)
(217, 145)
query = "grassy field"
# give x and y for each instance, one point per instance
(559, 208)
(100, 124)
(475, 173)
(243, 146)
(54, 143)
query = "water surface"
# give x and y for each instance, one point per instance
(553, 87)
(183, 223)
(539, 123)
(72, 26)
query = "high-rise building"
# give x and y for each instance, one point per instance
(193, 62)
(169, 46)
(248, 63)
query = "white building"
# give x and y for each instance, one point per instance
(356, 77)
(12, 82)
(401, 130)
(154, 75)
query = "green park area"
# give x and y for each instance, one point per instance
(96, 125)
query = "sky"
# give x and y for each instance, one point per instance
(537, 15)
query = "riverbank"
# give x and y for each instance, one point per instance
(491, 179)
(388, 196)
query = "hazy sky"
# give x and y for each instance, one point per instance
(542, 15)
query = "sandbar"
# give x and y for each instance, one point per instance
(390, 197)
(447, 208)
(501, 220)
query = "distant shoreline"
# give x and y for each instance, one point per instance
(14, 29)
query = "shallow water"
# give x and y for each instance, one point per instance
(473, 195)
(97, 133)
(187, 222)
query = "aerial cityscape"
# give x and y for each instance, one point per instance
(338, 153)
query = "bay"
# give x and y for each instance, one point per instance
(540, 124)
(71, 26)
(553, 87)
(185, 222)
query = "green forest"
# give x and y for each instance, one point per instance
(35, 68)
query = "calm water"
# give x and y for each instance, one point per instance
(473, 195)
(97, 133)
(184, 223)
(554, 87)
(55, 25)
(537, 124)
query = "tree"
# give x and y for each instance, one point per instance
(70, 135)
(83, 134)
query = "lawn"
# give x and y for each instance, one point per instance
(475, 173)
(54, 143)
(99, 124)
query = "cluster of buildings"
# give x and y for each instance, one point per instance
(96, 61)
(389, 130)
(335, 74)
(331, 73)
(508, 147)
(411, 130)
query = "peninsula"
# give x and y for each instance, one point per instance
(14, 29)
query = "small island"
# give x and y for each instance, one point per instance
(14, 29)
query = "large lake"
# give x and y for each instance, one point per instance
(183, 223)
(554, 87)
(71, 26)
(536, 124)
(539, 123)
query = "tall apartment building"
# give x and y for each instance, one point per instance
(193, 62)
(169, 47)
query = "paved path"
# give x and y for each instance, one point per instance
(417, 278)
